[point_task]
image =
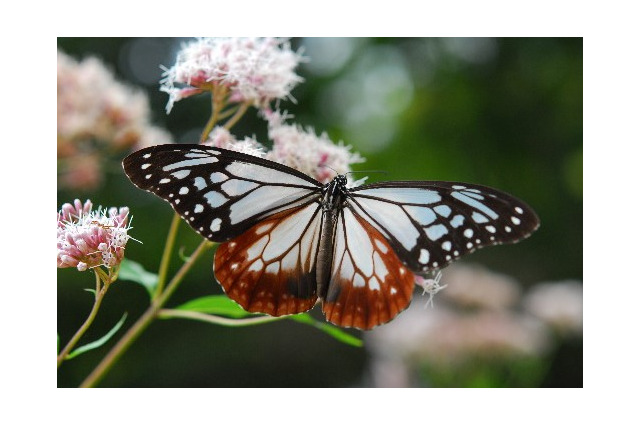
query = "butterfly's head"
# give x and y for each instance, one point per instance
(341, 181)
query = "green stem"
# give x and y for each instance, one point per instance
(143, 322)
(237, 116)
(213, 319)
(100, 292)
(218, 100)
(166, 256)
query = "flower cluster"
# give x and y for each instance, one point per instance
(303, 150)
(222, 138)
(483, 317)
(89, 238)
(97, 115)
(256, 70)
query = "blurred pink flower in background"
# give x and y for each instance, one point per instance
(257, 70)
(557, 304)
(473, 286)
(89, 238)
(97, 116)
(479, 319)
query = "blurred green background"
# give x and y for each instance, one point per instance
(501, 112)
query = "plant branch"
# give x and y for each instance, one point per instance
(237, 116)
(166, 256)
(214, 319)
(100, 292)
(143, 322)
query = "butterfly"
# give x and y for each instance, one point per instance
(288, 241)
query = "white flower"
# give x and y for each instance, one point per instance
(222, 138)
(303, 150)
(252, 69)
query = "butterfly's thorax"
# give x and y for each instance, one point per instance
(333, 197)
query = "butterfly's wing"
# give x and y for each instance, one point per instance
(271, 268)
(429, 224)
(220, 193)
(369, 285)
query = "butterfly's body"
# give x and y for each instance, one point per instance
(333, 198)
(289, 241)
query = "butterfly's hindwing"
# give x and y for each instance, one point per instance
(369, 285)
(430, 224)
(271, 268)
(220, 193)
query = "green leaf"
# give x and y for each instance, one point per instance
(133, 271)
(331, 330)
(222, 305)
(215, 305)
(97, 343)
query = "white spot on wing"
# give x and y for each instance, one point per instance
(422, 215)
(457, 220)
(403, 195)
(479, 218)
(443, 210)
(183, 190)
(436, 231)
(235, 187)
(215, 224)
(181, 174)
(199, 183)
(198, 208)
(475, 204)
(266, 174)
(217, 177)
(215, 199)
(190, 163)
(424, 256)
(374, 284)
(256, 249)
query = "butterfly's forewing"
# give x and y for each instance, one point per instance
(220, 193)
(271, 268)
(369, 285)
(430, 224)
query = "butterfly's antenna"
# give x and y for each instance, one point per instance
(369, 171)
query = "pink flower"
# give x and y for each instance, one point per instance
(222, 138)
(258, 70)
(97, 115)
(87, 239)
(303, 150)
(557, 304)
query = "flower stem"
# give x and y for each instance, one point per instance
(100, 292)
(143, 322)
(166, 256)
(218, 100)
(237, 116)
(213, 319)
